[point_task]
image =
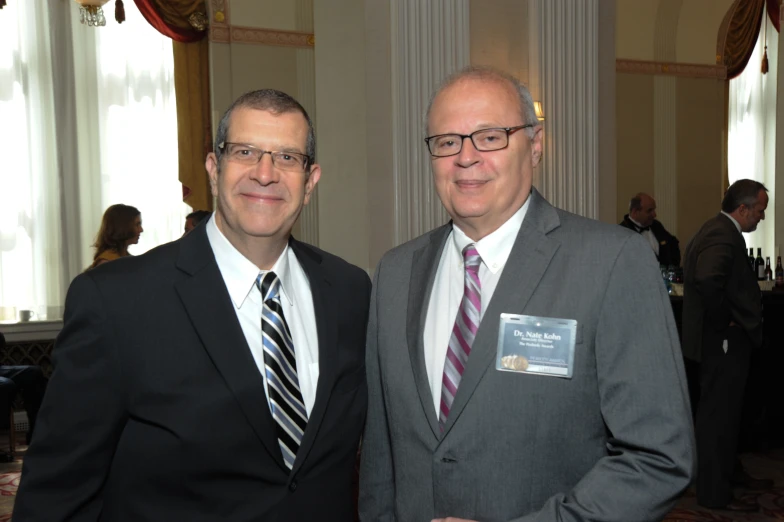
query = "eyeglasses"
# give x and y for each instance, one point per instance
(484, 140)
(250, 155)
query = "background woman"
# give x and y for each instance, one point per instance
(121, 226)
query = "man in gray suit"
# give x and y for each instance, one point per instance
(457, 429)
(722, 324)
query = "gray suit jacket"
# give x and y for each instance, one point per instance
(719, 287)
(613, 443)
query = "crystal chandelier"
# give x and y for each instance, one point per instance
(90, 12)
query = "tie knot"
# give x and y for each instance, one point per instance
(471, 258)
(268, 284)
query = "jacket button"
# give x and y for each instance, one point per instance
(293, 485)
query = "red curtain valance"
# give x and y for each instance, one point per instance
(185, 22)
(180, 20)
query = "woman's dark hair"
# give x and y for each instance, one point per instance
(117, 227)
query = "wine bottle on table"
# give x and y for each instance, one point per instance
(779, 272)
(768, 271)
(759, 266)
(751, 259)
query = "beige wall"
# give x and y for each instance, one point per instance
(698, 108)
(269, 14)
(699, 117)
(700, 121)
(696, 31)
(499, 35)
(634, 108)
(341, 129)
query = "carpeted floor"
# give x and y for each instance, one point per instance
(762, 465)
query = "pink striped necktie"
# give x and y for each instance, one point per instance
(463, 332)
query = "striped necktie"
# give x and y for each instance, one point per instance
(463, 332)
(280, 366)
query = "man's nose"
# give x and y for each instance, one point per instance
(264, 171)
(468, 154)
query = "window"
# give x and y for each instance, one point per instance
(751, 143)
(122, 111)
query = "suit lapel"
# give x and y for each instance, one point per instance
(326, 326)
(207, 302)
(528, 261)
(424, 266)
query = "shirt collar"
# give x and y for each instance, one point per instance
(734, 222)
(637, 224)
(494, 248)
(239, 273)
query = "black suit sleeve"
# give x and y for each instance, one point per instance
(81, 418)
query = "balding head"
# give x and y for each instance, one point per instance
(642, 209)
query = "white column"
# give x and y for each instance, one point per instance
(567, 66)
(665, 128)
(306, 95)
(429, 41)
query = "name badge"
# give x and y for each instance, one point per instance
(538, 345)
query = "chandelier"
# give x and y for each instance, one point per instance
(90, 12)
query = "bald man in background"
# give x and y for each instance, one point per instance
(642, 219)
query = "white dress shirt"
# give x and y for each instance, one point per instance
(240, 275)
(494, 249)
(648, 234)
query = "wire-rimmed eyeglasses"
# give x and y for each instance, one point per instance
(484, 140)
(250, 155)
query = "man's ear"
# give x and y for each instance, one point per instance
(211, 164)
(310, 183)
(536, 146)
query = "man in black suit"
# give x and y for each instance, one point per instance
(177, 393)
(642, 219)
(722, 324)
(26, 379)
(194, 218)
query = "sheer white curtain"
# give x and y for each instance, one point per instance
(752, 133)
(113, 87)
(129, 138)
(30, 233)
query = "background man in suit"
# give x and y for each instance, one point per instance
(177, 394)
(194, 218)
(614, 441)
(29, 380)
(722, 324)
(642, 219)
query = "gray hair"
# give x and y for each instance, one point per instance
(270, 100)
(742, 192)
(527, 110)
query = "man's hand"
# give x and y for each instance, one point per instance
(451, 519)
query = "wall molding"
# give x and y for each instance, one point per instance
(687, 70)
(259, 36)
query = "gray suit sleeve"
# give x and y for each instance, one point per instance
(81, 418)
(644, 403)
(376, 477)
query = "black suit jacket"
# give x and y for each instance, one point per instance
(719, 287)
(669, 246)
(156, 409)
